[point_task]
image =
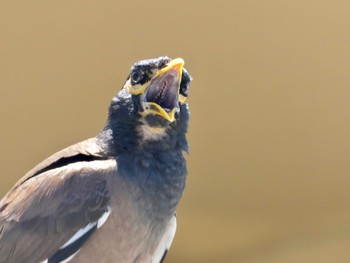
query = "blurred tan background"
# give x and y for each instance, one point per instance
(269, 170)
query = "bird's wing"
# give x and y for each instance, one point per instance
(54, 208)
(165, 243)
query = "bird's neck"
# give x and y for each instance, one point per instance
(158, 177)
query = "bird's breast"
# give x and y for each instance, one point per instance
(145, 191)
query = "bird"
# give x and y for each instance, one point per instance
(113, 197)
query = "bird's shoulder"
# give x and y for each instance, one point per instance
(88, 150)
(66, 192)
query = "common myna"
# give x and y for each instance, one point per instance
(111, 198)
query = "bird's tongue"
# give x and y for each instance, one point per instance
(164, 90)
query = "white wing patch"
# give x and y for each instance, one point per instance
(80, 233)
(166, 241)
(87, 228)
(103, 218)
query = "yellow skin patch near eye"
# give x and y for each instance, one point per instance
(135, 89)
(182, 99)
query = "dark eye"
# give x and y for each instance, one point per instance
(136, 77)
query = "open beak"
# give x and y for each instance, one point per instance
(162, 97)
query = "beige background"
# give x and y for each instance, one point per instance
(269, 171)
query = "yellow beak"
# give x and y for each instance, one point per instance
(177, 64)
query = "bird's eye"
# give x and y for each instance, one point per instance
(136, 76)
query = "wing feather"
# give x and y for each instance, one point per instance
(49, 205)
(165, 242)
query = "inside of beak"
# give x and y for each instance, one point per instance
(162, 95)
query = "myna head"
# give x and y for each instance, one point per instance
(157, 83)
(151, 105)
